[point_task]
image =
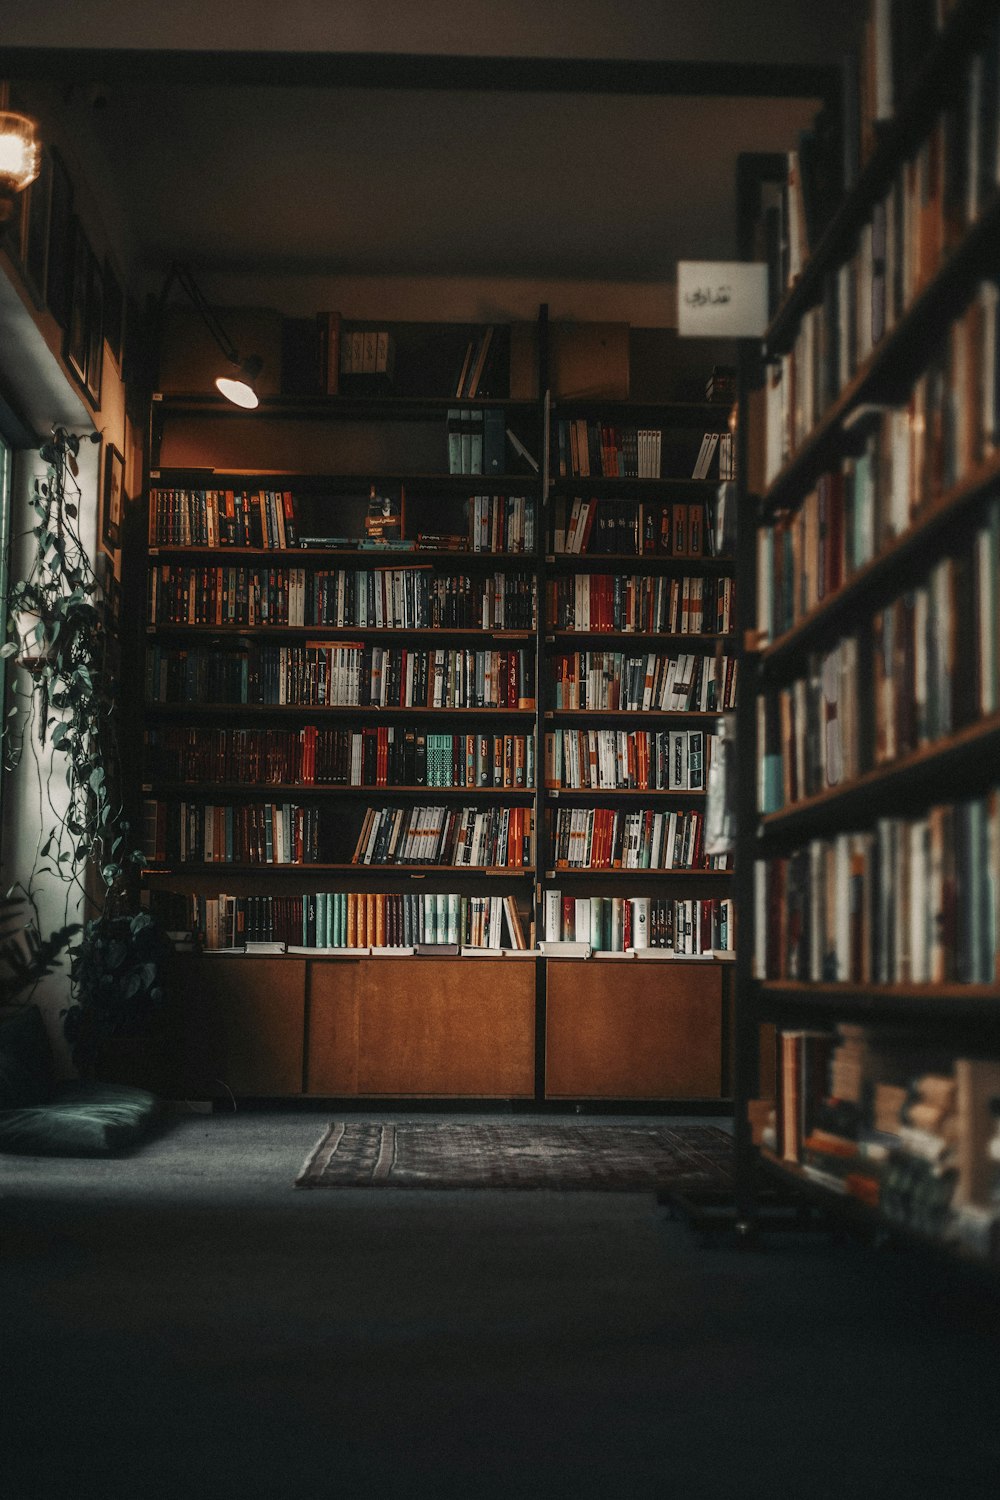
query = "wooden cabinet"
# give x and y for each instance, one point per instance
(241, 1024)
(633, 1030)
(422, 1027)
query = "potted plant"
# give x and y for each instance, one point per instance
(57, 633)
(120, 971)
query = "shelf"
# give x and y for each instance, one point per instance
(559, 636)
(632, 561)
(616, 873)
(631, 715)
(897, 139)
(864, 1217)
(336, 408)
(390, 557)
(617, 486)
(711, 415)
(223, 869)
(344, 632)
(923, 769)
(353, 712)
(876, 582)
(950, 1003)
(203, 791)
(559, 793)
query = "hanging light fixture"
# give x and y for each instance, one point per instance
(20, 155)
(237, 384)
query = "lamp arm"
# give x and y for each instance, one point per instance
(210, 318)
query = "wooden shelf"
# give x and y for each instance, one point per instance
(359, 711)
(560, 793)
(390, 558)
(877, 581)
(923, 769)
(344, 632)
(631, 715)
(952, 1004)
(666, 563)
(204, 791)
(615, 873)
(561, 636)
(224, 869)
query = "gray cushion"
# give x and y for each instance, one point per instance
(80, 1119)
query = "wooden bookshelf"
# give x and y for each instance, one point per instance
(876, 948)
(447, 1027)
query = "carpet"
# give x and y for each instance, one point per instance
(517, 1154)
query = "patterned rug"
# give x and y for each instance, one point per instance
(517, 1154)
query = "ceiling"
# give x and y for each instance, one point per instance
(496, 138)
(445, 182)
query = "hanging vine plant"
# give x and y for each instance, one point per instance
(57, 633)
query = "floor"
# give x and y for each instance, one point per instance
(183, 1323)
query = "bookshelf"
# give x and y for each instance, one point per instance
(871, 835)
(362, 757)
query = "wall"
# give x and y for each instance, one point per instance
(38, 386)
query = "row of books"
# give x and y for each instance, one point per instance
(808, 731)
(675, 760)
(477, 440)
(899, 1125)
(352, 598)
(378, 756)
(345, 674)
(917, 449)
(502, 523)
(357, 920)
(927, 666)
(935, 651)
(610, 838)
(462, 837)
(177, 831)
(653, 682)
(910, 901)
(585, 447)
(630, 528)
(615, 924)
(810, 553)
(594, 602)
(222, 518)
(368, 351)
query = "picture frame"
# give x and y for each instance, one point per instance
(112, 497)
(95, 330)
(76, 342)
(60, 242)
(35, 231)
(114, 311)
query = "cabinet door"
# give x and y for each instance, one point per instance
(241, 1026)
(633, 1030)
(423, 1026)
(334, 1011)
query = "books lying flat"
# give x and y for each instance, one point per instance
(438, 950)
(609, 953)
(554, 949)
(661, 954)
(391, 952)
(470, 952)
(273, 947)
(329, 952)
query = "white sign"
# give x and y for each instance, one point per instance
(721, 299)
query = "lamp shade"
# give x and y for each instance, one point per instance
(20, 156)
(239, 387)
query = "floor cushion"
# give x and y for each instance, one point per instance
(39, 1117)
(79, 1119)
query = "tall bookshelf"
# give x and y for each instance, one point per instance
(873, 830)
(323, 705)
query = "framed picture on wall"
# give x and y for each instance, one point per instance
(112, 496)
(35, 241)
(114, 311)
(76, 345)
(60, 244)
(95, 330)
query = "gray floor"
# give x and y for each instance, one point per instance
(183, 1323)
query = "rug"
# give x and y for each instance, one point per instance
(517, 1154)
